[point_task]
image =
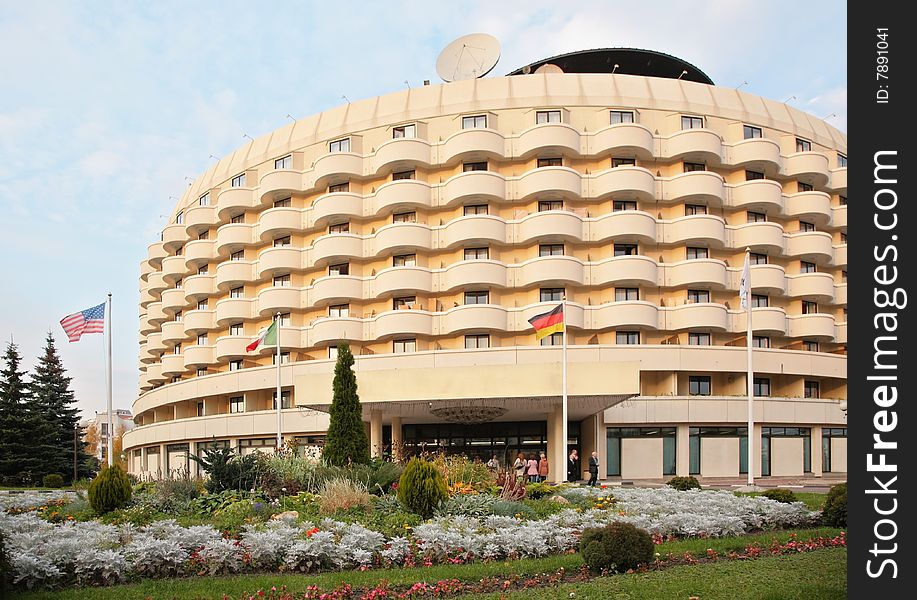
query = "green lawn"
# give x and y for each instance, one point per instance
(813, 500)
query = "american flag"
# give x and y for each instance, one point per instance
(91, 320)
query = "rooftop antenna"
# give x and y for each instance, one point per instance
(831, 116)
(345, 99)
(744, 83)
(615, 69)
(190, 180)
(245, 135)
(788, 99)
(291, 117)
(469, 57)
(214, 158)
(407, 84)
(683, 73)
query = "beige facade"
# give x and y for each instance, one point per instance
(427, 244)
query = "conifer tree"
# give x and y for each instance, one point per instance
(20, 427)
(346, 441)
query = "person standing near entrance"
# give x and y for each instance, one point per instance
(543, 468)
(532, 469)
(519, 466)
(493, 464)
(593, 469)
(573, 466)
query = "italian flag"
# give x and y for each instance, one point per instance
(268, 338)
(547, 323)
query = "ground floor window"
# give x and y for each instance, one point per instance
(614, 435)
(827, 434)
(695, 440)
(767, 433)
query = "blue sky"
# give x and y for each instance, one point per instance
(106, 107)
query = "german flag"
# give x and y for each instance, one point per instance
(547, 323)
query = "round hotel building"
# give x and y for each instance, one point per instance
(425, 227)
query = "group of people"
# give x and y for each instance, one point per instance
(536, 470)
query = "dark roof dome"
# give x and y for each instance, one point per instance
(629, 61)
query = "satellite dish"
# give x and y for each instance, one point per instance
(548, 68)
(469, 57)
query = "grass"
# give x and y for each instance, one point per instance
(813, 500)
(200, 588)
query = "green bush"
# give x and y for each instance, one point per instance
(683, 484)
(227, 471)
(834, 513)
(539, 490)
(110, 489)
(780, 495)
(471, 505)
(52, 480)
(508, 508)
(422, 487)
(617, 547)
(544, 507)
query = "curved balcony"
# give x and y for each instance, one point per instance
(397, 237)
(702, 144)
(473, 317)
(334, 289)
(394, 280)
(404, 194)
(234, 273)
(156, 283)
(174, 236)
(154, 345)
(623, 183)
(838, 179)
(474, 274)
(145, 270)
(622, 139)
(336, 207)
(281, 260)
(199, 356)
(279, 299)
(472, 144)
(811, 286)
(550, 181)
(810, 166)
(173, 300)
(198, 287)
(839, 216)
(702, 272)
(154, 374)
(198, 253)
(631, 314)
(400, 154)
(810, 206)
(472, 230)
(473, 186)
(707, 229)
(198, 321)
(230, 310)
(810, 244)
(200, 218)
(760, 195)
(840, 255)
(173, 365)
(761, 236)
(706, 316)
(553, 138)
(234, 201)
(818, 326)
(147, 297)
(173, 268)
(625, 225)
(234, 236)
(336, 166)
(334, 247)
(546, 270)
(840, 333)
(755, 152)
(767, 279)
(155, 252)
(232, 346)
(625, 270)
(145, 357)
(279, 222)
(172, 332)
(768, 320)
(279, 184)
(550, 225)
(840, 294)
(399, 323)
(326, 331)
(705, 186)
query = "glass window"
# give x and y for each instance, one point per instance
(551, 250)
(283, 203)
(339, 145)
(202, 304)
(339, 269)
(694, 441)
(286, 398)
(404, 131)
(238, 180)
(176, 349)
(803, 145)
(404, 260)
(474, 166)
(404, 217)
(698, 339)
(284, 319)
(841, 160)
(806, 267)
(284, 163)
(627, 337)
(401, 346)
(811, 389)
(842, 200)
(690, 167)
(761, 386)
(752, 175)
(616, 117)
(333, 352)
(555, 339)
(180, 217)
(550, 162)
(403, 302)
(692, 122)
(477, 297)
(810, 346)
(204, 235)
(474, 122)
(750, 132)
(235, 365)
(699, 385)
(236, 404)
(544, 205)
(282, 281)
(339, 228)
(551, 294)
(240, 218)
(401, 175)
(236, 329)
(760, 341)
(809, 307)
(178, 284)
(698, 296)
(475, 209)
(204, 200)
(695, 209)
(801, 186)
(339, 187)
(477, 341)
(756, 258)
(237, 255)
(627, 294)
(695, 253)
(622, 162)
(178, 316)
(476, 253)
(755, 217)
(282, 242)
(237, 292)
(759, 301)
(843, 238)
(547, 116)
(624, 205)
(625, 250)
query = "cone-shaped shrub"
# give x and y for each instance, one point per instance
(834, 513)
(616, 547)
(422, 487)
(110, 489)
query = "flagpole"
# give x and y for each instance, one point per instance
(563, 430)
(279, 396)
(111, 431)
(750, 381)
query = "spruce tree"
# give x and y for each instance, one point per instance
(21, 428)
(346, 441)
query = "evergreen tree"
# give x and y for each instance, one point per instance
(23, 436)
(346, 441)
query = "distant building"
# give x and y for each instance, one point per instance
(95, 431)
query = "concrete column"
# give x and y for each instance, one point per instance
(375, 433)
(397, 439)
(591, 440)
(682, 450)
(557, 448)
(163, 462)
(143, 460)
(193, 467)
(816, 451)
(602, 444)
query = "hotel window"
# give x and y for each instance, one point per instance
(339, 145)
(477, 341)
(806, 267)
(755, 217)
(402, 346)
(477, 297)
(404, 131)
(240, 218)
(476, 253)
(843, 238)
(555, 339)
(625, 250)
(235, 365)
(339, 187)
(842, 200)
(695, 209)
(698, 339)
(178, 284)
(285, 162)
(811, 389)
(627, 338)
(624, 205)
(204, 200)
(841, 160)
(547, 116)
(201, 371)
(178, 316)
(698, 296)
(202, 270)
(202, 305)
(339, 228)
(616, 117)
(544, 205)
(284, 360)
(284, 319)
(475, 209)
(283, 203)
(286, 400)
(180, 217)
(282, 242)
(550, 162)
(236, 329)
(202, 339)
(179, 251)
(333, 352)
(809, 307)
(802, 186)
(760, 301)
(282, 281)
(551, 250)
(474, 166)
(803, 145)
(404, 302)
(237, 292)
(404, 217)
(237, 255)
(238, 180)
(204, 235)
(696, 253)
(551, 295)
(176, 349)
(339, 310)
(750, 132)
(627, 294)
(844, 276)
(690, 167)
(692, 122)
(236, 404)
(760, 341)
(761, 386)
(339, 269)
(806, 226)
(474, 122)
(699, 385)
(809, 346)
(752, 175)
(622, 162)
(404, 260)
(400, 175)
(175, 379)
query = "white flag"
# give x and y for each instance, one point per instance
(744, 288)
